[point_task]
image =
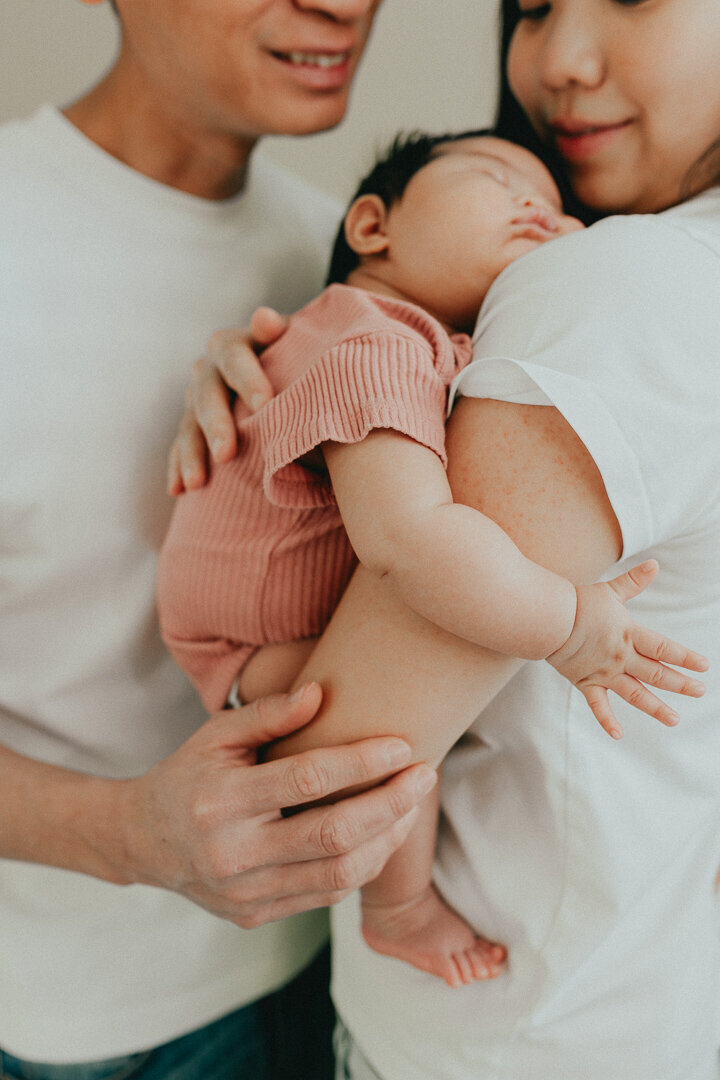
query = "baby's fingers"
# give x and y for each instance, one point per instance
(631, 584)
(597, 699)
(664, 678)
(666, 651)
(637, 695)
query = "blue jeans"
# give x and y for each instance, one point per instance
(285, 1036)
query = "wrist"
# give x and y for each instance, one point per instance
(91, 830)
(567, 620)
(56, 817)
(108, 833)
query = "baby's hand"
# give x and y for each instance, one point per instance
(607, 650)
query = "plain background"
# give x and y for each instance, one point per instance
(431, 64)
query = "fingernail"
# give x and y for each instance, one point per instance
(299, 694)
(425, 781)
(256, 402)
(217, 446)
(397, 752)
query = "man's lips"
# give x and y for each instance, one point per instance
(318, 69)
(579, 139)
(315, 59)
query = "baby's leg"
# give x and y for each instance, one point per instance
(273, 668)
(405, 917)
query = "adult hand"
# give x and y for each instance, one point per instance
(229, 366)
(207, 822)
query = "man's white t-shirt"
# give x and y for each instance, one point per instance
(593, 861)
(110, 285)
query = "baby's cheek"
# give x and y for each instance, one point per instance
(571, 224)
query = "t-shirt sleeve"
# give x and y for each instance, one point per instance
(378, 380)
(616, 327)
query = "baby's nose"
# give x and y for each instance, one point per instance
(532, 200)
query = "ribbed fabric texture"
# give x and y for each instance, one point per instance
(260, 554)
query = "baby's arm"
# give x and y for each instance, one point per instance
(457, 568)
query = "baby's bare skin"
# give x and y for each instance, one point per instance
(427, 933)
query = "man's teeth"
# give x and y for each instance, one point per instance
(321, 60)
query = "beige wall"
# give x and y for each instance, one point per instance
(431, 64)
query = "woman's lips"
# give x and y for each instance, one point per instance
(576, 141)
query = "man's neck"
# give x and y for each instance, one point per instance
(126, 123)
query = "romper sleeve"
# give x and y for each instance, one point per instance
(377, 380)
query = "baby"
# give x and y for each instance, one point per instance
(346, 463)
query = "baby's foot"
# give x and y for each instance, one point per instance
(428, 934)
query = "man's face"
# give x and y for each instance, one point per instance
(246, 68)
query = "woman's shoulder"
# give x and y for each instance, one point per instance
(637, 238)
(645, 267)
(699, 218)
(681, 230)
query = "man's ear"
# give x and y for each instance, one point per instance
(366, 226)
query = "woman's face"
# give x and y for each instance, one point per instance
(627, 91)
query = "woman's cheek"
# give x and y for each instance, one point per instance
(519, 67)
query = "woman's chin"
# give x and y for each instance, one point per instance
(604, 195)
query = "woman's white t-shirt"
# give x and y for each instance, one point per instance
(593, 861)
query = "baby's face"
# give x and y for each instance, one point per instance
(477, 206)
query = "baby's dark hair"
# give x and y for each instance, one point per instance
(391, 174)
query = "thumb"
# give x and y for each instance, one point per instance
(271, 717)
(632, 583)
(267, 325)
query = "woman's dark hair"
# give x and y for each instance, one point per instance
(511, 122)
(391, 174)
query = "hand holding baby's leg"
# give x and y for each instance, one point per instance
(607, 650)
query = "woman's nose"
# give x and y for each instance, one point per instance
(573, 53)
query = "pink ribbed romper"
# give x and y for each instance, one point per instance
(260, 555)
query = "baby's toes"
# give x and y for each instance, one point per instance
(485, 959)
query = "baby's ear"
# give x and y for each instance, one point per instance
(366, 226)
